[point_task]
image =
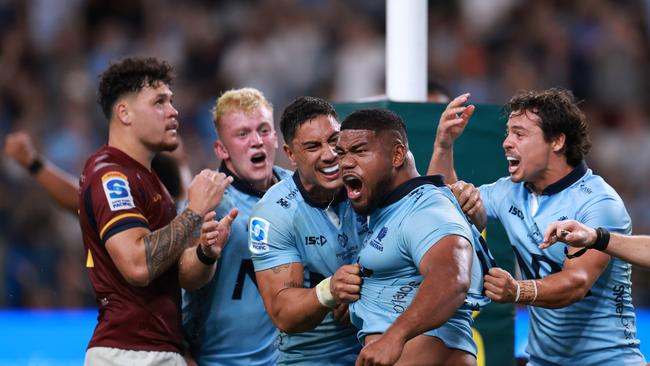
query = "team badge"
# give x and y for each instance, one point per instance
(259, 235)
(118, 193)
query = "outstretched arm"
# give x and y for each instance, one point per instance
(631, 248)
(451, 125)
(59, 185)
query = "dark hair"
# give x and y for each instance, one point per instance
(130, 75)
(377, 120)
(301, 110)
(559, 114)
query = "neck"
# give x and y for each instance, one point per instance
(320, 194)
(261, 185)
(402, 175)
(136, 151)
(552, 174)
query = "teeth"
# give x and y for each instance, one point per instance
(510, 158)
(331, 169)
(348, 178)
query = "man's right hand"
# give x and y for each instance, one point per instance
(19, 146)
(345, 284)
(453, 121)
(468, 196)
(206, 190)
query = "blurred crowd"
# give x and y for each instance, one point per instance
(51, 52)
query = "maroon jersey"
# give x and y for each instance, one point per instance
(117, 193)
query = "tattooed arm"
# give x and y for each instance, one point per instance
(292, 307)
(141, 255)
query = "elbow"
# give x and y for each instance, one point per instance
(290, 327)
(138, 277)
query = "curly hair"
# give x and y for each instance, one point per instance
(130, 75)
(301, 110)
(559, 114)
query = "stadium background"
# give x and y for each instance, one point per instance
(51, 52)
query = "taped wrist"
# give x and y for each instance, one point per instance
(526, 291)
(324, 294)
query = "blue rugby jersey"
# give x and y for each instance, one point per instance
(225, 321)
(412, 219)
(601, 328)
(286, 226)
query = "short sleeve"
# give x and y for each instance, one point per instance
(489, 198)
(270, 240)
(608, 212)
(429, 224)
(110, 198)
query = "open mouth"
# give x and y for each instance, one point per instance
(258, 158)
(513, 163)
(353, 186)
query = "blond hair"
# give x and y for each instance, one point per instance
(238, 100)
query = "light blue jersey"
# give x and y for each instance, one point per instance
(225, 321)
(601, 328)
(287, 227)
(411, 220)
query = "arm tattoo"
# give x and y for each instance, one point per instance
(278, 269)
(163, 247)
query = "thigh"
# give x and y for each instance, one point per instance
(429, 351)
(107, 356)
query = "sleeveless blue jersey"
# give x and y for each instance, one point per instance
(412, 219)
(599, 329)
(287, 227)
(225, 321)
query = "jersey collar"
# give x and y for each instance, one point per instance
(340, 197)
(408, 186)
(578, 172)
(242, 185)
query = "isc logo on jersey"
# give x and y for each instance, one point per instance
(259, 232)
(118, 194)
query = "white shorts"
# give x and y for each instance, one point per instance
(107, 356)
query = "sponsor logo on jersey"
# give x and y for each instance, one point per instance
(342, 238)
(376, 243)
(516, 212)
(118, 193)
(284, 201)
(259, 234)
(315, 240)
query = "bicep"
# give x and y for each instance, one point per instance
(273, 281)
(586, 268)
(126, 250)
(449, 258)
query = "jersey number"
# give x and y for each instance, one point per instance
(246, 268)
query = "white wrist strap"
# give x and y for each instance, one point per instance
(518, 292)
(324, 294)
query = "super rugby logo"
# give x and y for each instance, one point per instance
(118, 193)
(376, 243)
(259, 235)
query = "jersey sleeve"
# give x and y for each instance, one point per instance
(271, 240)
(608, 212)
(489, 196)
(113, 200)
(429, 224)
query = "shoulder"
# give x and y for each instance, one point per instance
(281, 199)
(281, 173)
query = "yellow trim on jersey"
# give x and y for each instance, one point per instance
(117, 218)
(90, 263)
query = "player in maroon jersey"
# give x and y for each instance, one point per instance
(139, 253)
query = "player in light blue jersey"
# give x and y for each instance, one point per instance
(303, 232)
(421, 274)
(225, 321)
(580, 305)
